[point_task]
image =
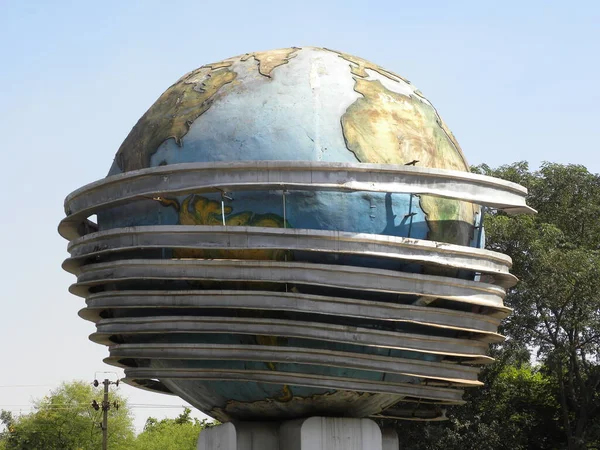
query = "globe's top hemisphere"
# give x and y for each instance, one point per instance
(291, 104)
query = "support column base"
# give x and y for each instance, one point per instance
(313, 433)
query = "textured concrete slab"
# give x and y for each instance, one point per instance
(453, 373)
(389, 439)
(288, 301)
(438, 345)
(453, 396)
(314, 433)
(338, 276)
(331, 433)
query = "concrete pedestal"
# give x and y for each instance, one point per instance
(314, 433)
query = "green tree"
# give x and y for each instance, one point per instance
(516, 409)
(556, 322)
(556, 255)
(180, 433)
(65, 420)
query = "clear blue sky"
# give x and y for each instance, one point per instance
(514, 80)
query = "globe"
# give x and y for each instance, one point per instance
(306, 104)
(249, 258)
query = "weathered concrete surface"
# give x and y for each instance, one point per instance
(339, 276)
(452, 373)
(430, 392)
(195, 237)
(463, 348)
(241, 436)
(389, 439)
(290, 302)
(314, 433)
(331, 433)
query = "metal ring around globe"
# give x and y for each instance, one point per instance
(272, 175)
(451, 373)
(243, 238)
(301, 379)
(336, 276)
(461, 348)
(290, 302)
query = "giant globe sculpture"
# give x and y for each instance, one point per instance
(292, 233)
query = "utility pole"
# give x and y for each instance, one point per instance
(105, 408)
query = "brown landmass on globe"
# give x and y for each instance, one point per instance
(171, 116)
(199, 210)
(391, 128)
(269, 60)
